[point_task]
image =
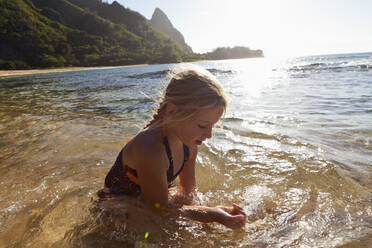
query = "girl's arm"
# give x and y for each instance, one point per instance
(233, 217)
(151, 167)
(154, 187)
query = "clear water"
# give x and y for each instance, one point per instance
(295, 151)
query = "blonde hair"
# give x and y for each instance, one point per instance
(191, 91)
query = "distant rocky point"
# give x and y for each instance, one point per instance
(161, 21)
(237, 52)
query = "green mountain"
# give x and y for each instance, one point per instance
(56, 33)
(160, 21)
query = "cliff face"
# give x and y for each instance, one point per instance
(160, 21)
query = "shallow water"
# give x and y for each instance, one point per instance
(294, 151)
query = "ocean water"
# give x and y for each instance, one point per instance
(295, 151)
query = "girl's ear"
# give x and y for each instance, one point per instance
(170, 109)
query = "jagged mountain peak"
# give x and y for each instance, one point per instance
(161, 21)
(160, 16)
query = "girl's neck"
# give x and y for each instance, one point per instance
(172, 134)
(171, 131)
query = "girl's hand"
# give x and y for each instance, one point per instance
(233, 217)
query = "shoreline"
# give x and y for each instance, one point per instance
(19, 73)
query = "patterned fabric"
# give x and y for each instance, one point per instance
(122, 179)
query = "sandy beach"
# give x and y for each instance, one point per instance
(18, 73)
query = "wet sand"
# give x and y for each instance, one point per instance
(18, 73)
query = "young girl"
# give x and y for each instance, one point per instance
(191, 105)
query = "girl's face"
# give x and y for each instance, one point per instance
(198, 128)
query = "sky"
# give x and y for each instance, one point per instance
(278, 27)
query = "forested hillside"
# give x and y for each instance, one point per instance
(63, 33)
(45, 33)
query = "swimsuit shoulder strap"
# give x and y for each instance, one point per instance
(170, 158)
(168, 150)
(186, 153)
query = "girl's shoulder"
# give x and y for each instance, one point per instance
(147, 146)
(148, 141)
